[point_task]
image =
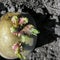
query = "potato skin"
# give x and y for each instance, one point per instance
(7, 39)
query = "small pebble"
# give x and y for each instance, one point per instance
(3, 12)
(12, 9)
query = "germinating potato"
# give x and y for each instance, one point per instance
(7, 39)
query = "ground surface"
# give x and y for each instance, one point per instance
(47, 15)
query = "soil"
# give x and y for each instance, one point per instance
(47, 21)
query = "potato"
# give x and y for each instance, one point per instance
(7, 39)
